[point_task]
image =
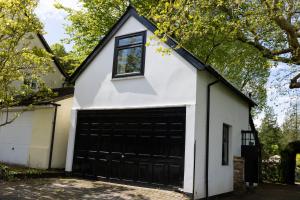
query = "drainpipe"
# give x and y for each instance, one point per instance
(207, 136)
(194, 167)
(52, 135)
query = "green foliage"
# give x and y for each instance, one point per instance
(269, 26)
(290, 129)
(277, 141)
(271, 171)
(270, 135)
(297, 177)
(209, 37)
(19, 59)
(5, 173)
(13, 172)
(67, 61)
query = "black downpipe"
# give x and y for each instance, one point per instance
(194, 167)
(52, 137)
(207, 136)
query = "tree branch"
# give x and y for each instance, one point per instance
(294, 82)
(283, 51)
(9, 121)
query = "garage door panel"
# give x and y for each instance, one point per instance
(117, 143)
(91, 164)
(130, 144)
(93, 142)
(143, 145)
(102, 168)
(177, 147)
(173, 172)
(144, 172)
(79, 166)
(129, 170)
(115, 169)
(104, 143)
(160, 146)
(158, 174)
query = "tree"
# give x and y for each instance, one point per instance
(290, 128)
(244, 65)
(20, 62)
(270, 26)
(270, 134)
(67, 61)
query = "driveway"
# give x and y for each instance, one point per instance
(45, 189)
(80, 189)
(270, 192)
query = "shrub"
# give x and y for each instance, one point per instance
(271, 171)
(5, 173)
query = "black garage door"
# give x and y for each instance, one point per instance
(137, 145)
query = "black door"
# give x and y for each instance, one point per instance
(250, 152)
(137, 145)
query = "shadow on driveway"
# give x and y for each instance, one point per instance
(34, 189)
(270, 192)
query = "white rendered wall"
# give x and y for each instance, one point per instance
(15, 139)
(169, 80)
(42, 126)
(54, 78)
(62, 127)
(226, 107)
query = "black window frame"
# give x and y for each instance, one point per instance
(118, 48)
(225, 141)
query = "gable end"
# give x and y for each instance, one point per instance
(188, 56)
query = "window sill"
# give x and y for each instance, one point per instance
(127, 78)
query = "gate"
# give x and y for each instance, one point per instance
(250, 152)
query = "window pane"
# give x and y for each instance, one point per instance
(131, 40)
(129, 60)
(225, 145)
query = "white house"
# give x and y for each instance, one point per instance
(38, 137)
(139, 116)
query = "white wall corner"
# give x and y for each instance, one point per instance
(71, 141)
(189, 149)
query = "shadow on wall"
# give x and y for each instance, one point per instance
(136, 85)
(89, 93)
(66, 189)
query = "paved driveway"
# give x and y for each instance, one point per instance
(68, 189)
(270, 192)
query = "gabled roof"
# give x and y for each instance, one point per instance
(188, 56)
(48, 49)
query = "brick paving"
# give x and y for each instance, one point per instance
(46, 189)
(68, 189)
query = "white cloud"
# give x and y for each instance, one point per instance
(46, 9)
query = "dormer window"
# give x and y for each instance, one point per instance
(129, 57)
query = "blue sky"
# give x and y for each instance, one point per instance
(279, 96)
(54, 19)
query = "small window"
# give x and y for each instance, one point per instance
(225, 145)
(31, 83)
(129, 57)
